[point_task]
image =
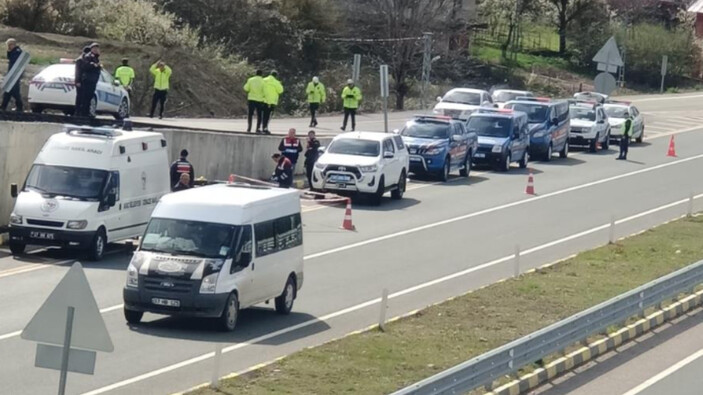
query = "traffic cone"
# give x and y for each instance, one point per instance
(347, 223)
(530, 190)
(231, 179)
(672, 148)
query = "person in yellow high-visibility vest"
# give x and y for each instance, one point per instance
(125, 74)
(351, 94)
(316, 96)
(272, 91)
(255, 98)
(162, 78)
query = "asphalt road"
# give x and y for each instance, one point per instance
(441, 240)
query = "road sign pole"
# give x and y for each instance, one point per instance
(665, 61)
(384, 95)
(357, 69)
(66, 350)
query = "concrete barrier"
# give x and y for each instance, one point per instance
(214, 155)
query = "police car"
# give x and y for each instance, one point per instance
(616, 111)
(54, 88)
(503, 137)
(589, 125)
(461, 102)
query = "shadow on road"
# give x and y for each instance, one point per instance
(571, 161)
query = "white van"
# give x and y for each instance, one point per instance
(196, 256)
(89, 187)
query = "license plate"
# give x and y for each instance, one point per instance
(42, 235)
(415, 159)
(339, 178)
(342, 186)
(480, 155)
(166, 302)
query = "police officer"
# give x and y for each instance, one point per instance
(272, 91)
(284, 171)
(351, 94)
(625, 139)
(311, 153)
(291, 147)
(162, 78)
(13, 53)
(255, 96)
(182, 166)
(125, 74)
(77, 80)
(316, 96)
(90, 75)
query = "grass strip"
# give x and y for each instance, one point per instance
(449, 333)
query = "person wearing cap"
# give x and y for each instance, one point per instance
(284, 171)
(182, 166)
(626, 136)
(77, 79)
(351, 94)
(90, 75)
(162, 78)
(125, 74)
(316, 96)
(272, 91)
(13, 53)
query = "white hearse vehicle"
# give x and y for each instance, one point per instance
(211, 251)
(89, 187)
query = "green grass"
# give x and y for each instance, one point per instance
(444, 335)
(522, 60)
(43, 60)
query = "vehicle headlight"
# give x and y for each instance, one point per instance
(132, 277)
(209, 283)
(319, 166)
(16, 219)
(77, 225)
(434, 151)
(497, 148)
(368, 169)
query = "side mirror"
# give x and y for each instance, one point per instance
(555, 121)
(111, 200)
(601, 121)
(439, 99)
(457, 137)
(116, 83)
(396, 131)
(13, 191)
(388, 155)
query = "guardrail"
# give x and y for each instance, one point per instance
(485, 369)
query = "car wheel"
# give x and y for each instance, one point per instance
(505, 166)
(93, 111)
(376, 197)
(467, 166)
(398, 193)
(524, 161)
(284, 303)
(548, 155)
(606, 143)
(132, 316)
(97, 247)
(640, 138)
(17, 248)
(228, 319)
(123, 111)
(594, 144)
(444, 173)
(564, 153)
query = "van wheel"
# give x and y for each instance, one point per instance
(398, 193)
(639, 139)
(97, 247)
(594, 145)
(284, 303)
(524, 161)
(17, 248)
(564, 153)
(506, 162)
(228, 320)
(376, 197)
(133, 316)
(606, 143)
(444, 173)
(464, 172)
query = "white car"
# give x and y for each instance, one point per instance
(616, 116)
(54, 88)
(502, 96)
(368, 163)
(461, 102)
(591, 96)
(589, 126)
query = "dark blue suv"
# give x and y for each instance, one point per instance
(503, 137)
(549, 124)
(439, 145)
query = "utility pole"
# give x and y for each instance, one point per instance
(426, 67)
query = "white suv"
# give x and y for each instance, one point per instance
(363, 162)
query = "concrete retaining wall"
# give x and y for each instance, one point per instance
(214, 155)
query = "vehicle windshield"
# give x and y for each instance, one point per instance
(502, 97)
(536, 113)
(616, 112)
(351, 146)
(182, 237)
(67, 181)
(582, 113)
(426, 130)
(470, 98)
(489, 126)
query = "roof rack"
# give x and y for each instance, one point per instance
(446, 118)
(611, 101)
(90, 131)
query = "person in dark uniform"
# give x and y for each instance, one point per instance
(311, 153)
(184, 182)
(182, 166)
(625, 139)
(90, 75)
(291, 147)
(78, 78)
(284, 171)
(13, 53)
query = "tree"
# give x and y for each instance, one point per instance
(565, 12)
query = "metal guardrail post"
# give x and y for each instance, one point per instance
(517, 261)
(384, 308)
(690, 205)
(612, 239)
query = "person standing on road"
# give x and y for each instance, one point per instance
(90, 75)
(162, 78)
(311, 153)
(316, 96)
(13, 53)
(284, 171)
(625, 139)
(182, 166)
(272, 91)
(125, 74)
(351, 94)
(77, 80)
(291, 147)
(255, 96)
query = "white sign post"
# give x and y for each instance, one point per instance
(356, 71)
(384, 95)
(665, 63)
(608, 61)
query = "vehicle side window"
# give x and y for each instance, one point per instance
(634, 111)
(242, 256)
(458, 130)
(399, 142)
(388, 146)
(114, 185)
(289, 232)
(265, 238)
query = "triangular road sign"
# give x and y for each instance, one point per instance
(609, 54)
(49, 323)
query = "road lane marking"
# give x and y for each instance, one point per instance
(372, 302)
(677, 366)
(665, 98)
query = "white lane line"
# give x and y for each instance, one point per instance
(679, 365)
(665, 98)
(32, 267)
(372, 302)
(498, 208)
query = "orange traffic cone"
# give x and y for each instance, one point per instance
(672, 148)
(530, 190)
(231, 179)
(347, 223)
